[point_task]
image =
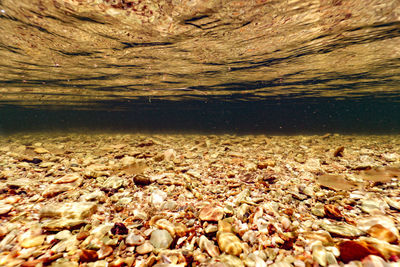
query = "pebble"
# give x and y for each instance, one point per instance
(41, 150)
(134, 239)
(230, 260)
(208, 246)
(229, 243)
(140, 179)
(119, 229)
(211, 228)
(343, 230)
(211, 213)
(394, 204)
(332, 212)
(380, 232)
(98, 196)
(33, 241)
(161, 239)
(375, 261)
(336, 182)
(62, 235)
(373, 206)
(318, 210)
(356, 250)
(113, 182)
(5, 208)
(88, 255)
(56, 189)
(157, 198)
(68, 178)
(169, 154)
(145, 248)
(319, 253)
(61, 224)
(71, 210)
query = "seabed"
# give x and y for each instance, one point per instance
(199, 200)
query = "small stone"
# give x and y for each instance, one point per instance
(356, 250)
(331, 258)
(161, 239)
(41, 150)
(380, 232)
(180, 229)
(229, 243)
(309, 191)
(169, 154)
(88, 255)
(211, 228)
(241, 212)
(56, 189)
(225, 225)
(254, 260)
(82, 235)
(345, 230)
(104, 252)
(101, 230)
(230, 260)
(338, 152)
(318, 210)
(211, 213)
(208, 246)
(322, 236)
(71, 210)
(5, 208)
(113, 182)
(31, 242)
(61, 224)
(62, 235)
(119, 229)
(336, 182)
(169, 205)
(68, 178)
(319, 253)
(167, 225)
(373, 206)
(394, 204)
(19, 183)
(385, 249)
(374, 261)
(262, 165)
(134, 239)
(312, 165)
(145, 248)
(380, 175)
(157, 198)
(97, 196)
(286, 223)
(141, 179)
(332, 212)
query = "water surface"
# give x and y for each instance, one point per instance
(200, 65)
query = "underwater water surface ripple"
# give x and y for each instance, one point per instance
(105, 54)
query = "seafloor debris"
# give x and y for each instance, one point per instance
(193, 200)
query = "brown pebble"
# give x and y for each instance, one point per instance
(382, 233)
(356, 251)
(332, 212)
(141, 179)
(88, 255)
(338, 152)
(211, 213)
(82, 235)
